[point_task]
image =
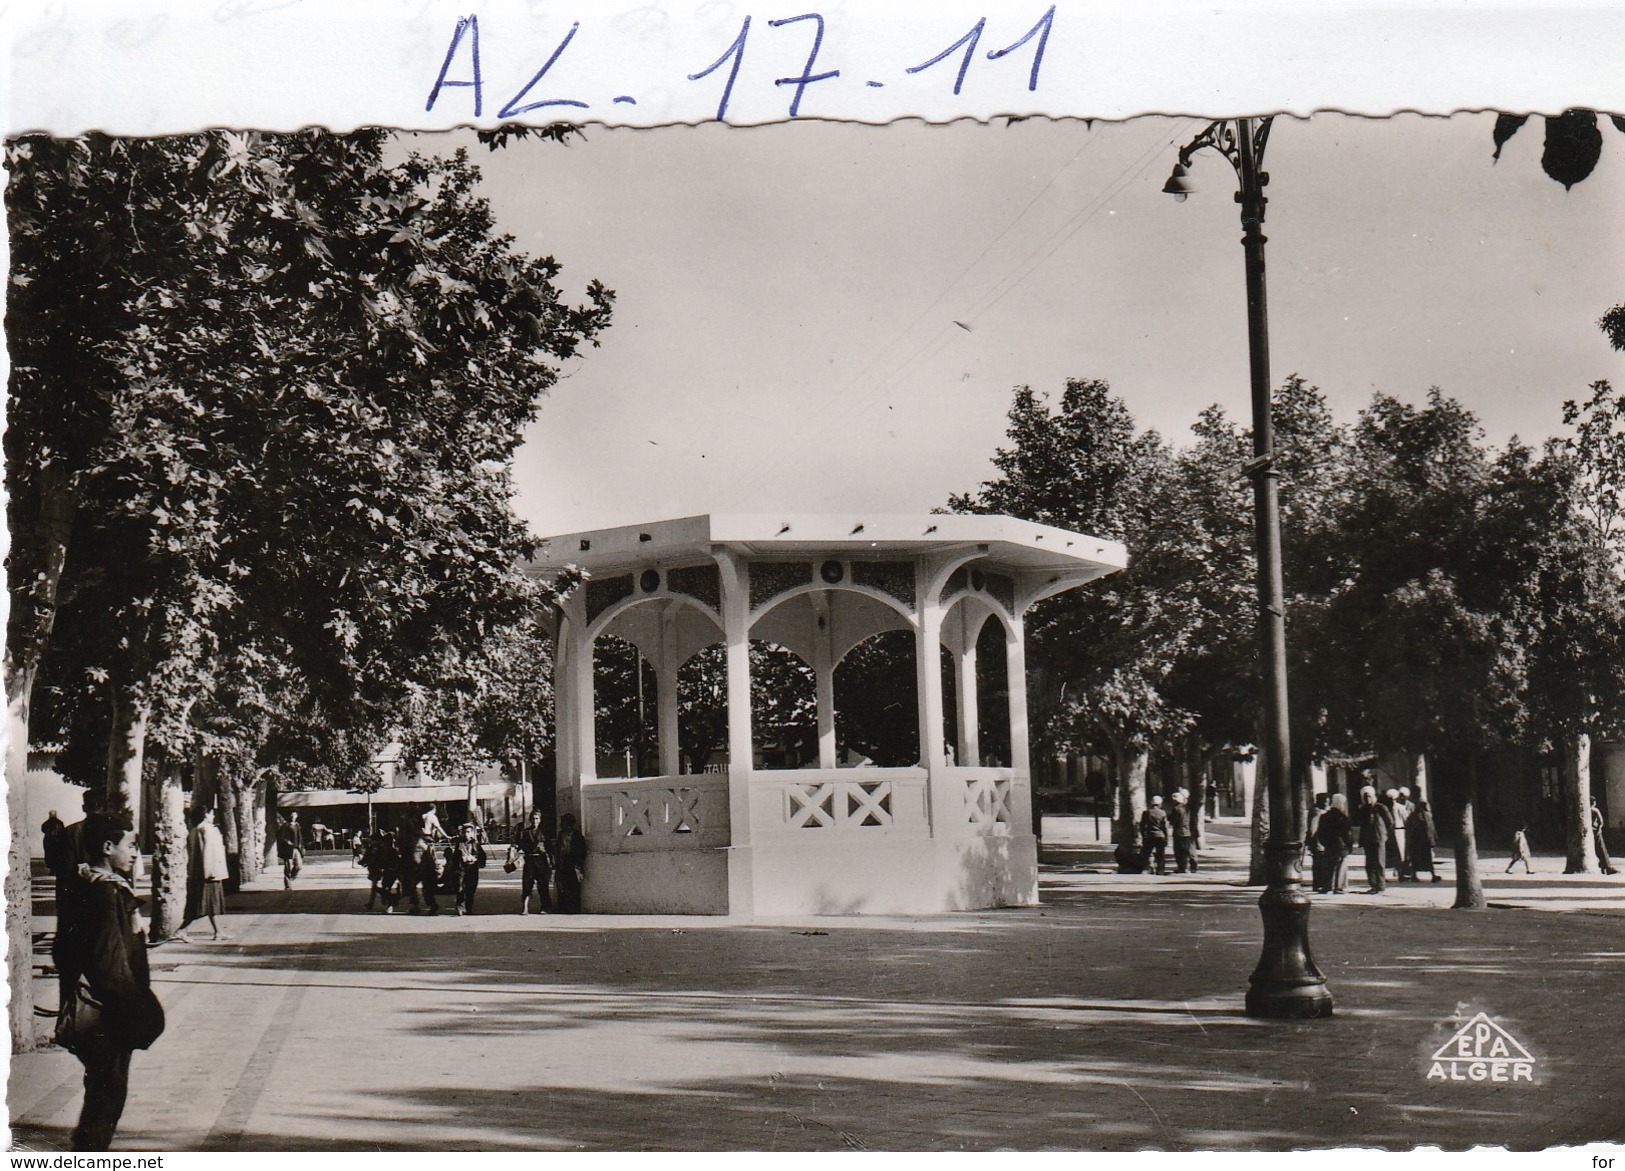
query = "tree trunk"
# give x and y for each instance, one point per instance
(169, 860)
(225, 816)
(19, 884)
(1416, 774)
(1469, 880)
(33, 613)
(126, 746)
(248, 852)
(205, 781)
(249, 817)
(1196, 781)
(265, 821)
(1580, 850)
(1257, 875)
(1303, 792)
(1131, 803)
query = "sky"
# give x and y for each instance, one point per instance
(818, 317)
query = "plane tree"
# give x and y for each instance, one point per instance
(277, 380)
(1419, 631)
(1568, 601)
(489, 703)
(1101, 655)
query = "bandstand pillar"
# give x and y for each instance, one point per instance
(736, 637)
(573, 691)
(823, 666)
(970, 730)
(1015, 658)
(671, 758)
(584, 731)
(563, 747)
(928, 665)
(928, 682)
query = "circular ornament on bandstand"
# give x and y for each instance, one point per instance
(832, 572)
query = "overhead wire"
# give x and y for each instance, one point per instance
(856, 379)
(1055, 240)
(934, 342)
(945, 336)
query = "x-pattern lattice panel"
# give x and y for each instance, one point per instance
(987, 801)
(839, 805)
(658, 812)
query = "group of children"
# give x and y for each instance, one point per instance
(414, 864)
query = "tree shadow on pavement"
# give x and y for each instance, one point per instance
(1107, 1022)
(1109, 1018)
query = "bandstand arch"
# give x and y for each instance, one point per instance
(966, 616)
(665, 641)
(821, 622)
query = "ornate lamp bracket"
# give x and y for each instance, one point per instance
(1241, 141)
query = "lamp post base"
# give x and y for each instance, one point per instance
(1286, 985)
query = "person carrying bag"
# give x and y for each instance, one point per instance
(530, 849)
(108, 1006)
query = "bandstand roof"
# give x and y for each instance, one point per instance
(1018, 544)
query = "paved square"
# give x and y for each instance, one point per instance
(1107, 1018)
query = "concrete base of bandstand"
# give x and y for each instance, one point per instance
(798, 874)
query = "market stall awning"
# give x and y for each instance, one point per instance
(422, 794)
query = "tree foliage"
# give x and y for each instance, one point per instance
(265, 394)
(1443, 598)
(1573, 143)
(287, 379)
(490, 703)
(1571, 152)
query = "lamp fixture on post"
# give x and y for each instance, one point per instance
(1178, 184)
(1286, 985)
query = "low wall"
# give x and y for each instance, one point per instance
(819, 842)
(657, 882)
(851, 877)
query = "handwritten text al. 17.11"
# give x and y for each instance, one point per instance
(960, 61)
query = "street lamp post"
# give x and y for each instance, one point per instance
(1285, 985)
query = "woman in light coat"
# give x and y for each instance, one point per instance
(1334, 836)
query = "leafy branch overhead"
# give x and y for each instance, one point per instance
(265, 394)
(1573, 142)
(1572, 150)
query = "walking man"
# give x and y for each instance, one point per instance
(1603, 859)
(1334, 837)
(1317, 853)
(1154, 832)
(570, 855)
(1179, 824)
(1376, 831)
(290, 848)
(1521, 852)
(465, 858)
(49, 828)
(531, 844)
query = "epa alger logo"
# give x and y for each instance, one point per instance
(1482, 1051)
